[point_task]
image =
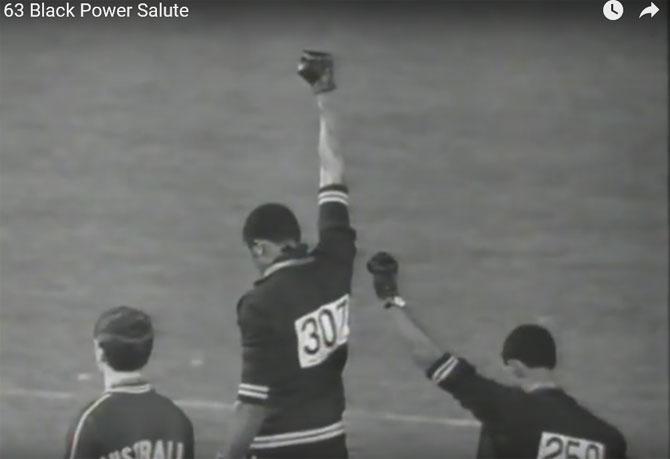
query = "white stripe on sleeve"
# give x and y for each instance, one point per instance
(80, 424)
(334, 196)
(253, 391)
(445, 369)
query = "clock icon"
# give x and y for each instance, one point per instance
(613, 10)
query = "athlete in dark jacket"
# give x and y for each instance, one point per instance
(294, 322)
(130, 419)
(537, 420)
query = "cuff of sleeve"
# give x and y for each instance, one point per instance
(253, 393)
(442, 368)
(334, 193)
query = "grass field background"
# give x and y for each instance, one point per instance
(516, 163)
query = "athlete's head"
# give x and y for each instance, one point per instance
(123, 338)
(529, 348)
(269, 230)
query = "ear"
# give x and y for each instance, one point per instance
(99, 353)
(257, 248)
(519, 369)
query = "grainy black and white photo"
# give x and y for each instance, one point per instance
(334, 229)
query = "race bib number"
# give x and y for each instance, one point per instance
(556, 446)
(322, 331)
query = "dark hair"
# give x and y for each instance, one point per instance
(126, 337)
(272, 222)
(532, 345)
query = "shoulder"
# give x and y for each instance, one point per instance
(603, 429)
(618, 438)
(83, 435)
(91, 413)
(94, 407)
(244, 300)
(256, 304)
(611, 435)
(614, 436)
(257, 298)
(173, 408)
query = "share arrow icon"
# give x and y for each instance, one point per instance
(651, 10)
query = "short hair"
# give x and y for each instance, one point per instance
(273, 222)
(532, 345)
(126, 337)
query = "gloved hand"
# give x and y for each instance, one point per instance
(384, 269)
(317, 69)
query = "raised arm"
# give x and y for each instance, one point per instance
(384, 269)
(483, 397)
(336, 237)
(424, 350)
(331, 162)
(317, 68)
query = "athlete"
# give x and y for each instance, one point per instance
(130, 419)
(536, 420)
(294, 321)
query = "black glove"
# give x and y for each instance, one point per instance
(317, 69)
(384, 270)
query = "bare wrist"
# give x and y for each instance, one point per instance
(325, 100)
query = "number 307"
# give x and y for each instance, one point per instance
(322, 331)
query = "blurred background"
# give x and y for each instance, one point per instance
(512, 154)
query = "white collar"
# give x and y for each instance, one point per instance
(541, 386)
(273, 268)
(126, 382)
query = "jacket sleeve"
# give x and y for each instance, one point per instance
(82, 438)
(486, 399)
(336, 236)
(258, 354)
(189, 447)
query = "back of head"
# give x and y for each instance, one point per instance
(126, 338)
(532, 345)
(272, 222)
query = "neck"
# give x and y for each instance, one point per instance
(539, 378)
(286, 253)
(112, 377)
(291, 249)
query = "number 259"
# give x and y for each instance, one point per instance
(555, 446)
